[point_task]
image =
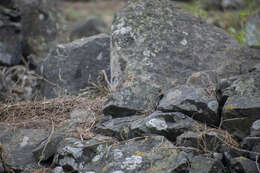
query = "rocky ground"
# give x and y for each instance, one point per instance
(161, 91)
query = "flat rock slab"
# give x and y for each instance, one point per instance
(68, 67)
(156, 43)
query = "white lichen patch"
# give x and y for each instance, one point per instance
(184, 42)
(25, 141)
(117, 154)
(158, 124)
(132, 163)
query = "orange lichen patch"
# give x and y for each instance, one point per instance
(228, 107)
(196, 74)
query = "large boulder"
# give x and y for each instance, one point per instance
(68, 67)
(156, 44)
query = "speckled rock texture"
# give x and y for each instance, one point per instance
(252, 28)
(157, 44)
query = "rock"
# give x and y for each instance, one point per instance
(68, 67)
(201, 164)
(132, 100)
(191, 101)
(255, 128)
(89, 27)
(170, 125)
(211, 141)
(155, 43)
(10, 37)
(239, 113)
(252, 28)
(137, 156)
(42, 26)
(18, 146)
(242, 164)
(118, 127)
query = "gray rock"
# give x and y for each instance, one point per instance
(18, 146)
(252, 28)
(211, 141)
(89, 27)
(191, 101)
(42, 26)
(132, 100)
(242, 164)
(152, 154)
(68, 67)
(239, 113)
(154, 42)
(10, 37)
(201, 164)
(170, 125)
(118, 127)
(255, 128)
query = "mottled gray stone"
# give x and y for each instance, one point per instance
(18, 145)
(252, 28)
(194, 102)
(154, 42)
(70, 65)
(118, 127)
(170, 125)
(201, 164)
(132, 100)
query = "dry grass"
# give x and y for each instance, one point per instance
(42, 113)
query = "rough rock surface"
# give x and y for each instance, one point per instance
(202, 164)
(89, 27)
(252, 28)
(150, 154)
(239, 113)
(68, 67)
(10, 36)
(195, 102)
(155, 43)
(42, 26)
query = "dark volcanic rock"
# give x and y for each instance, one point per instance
(154, 42)
(69, 66)
(10, 36)
(191, 101)
(239, 113)
(201, 164)
(89, 27)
